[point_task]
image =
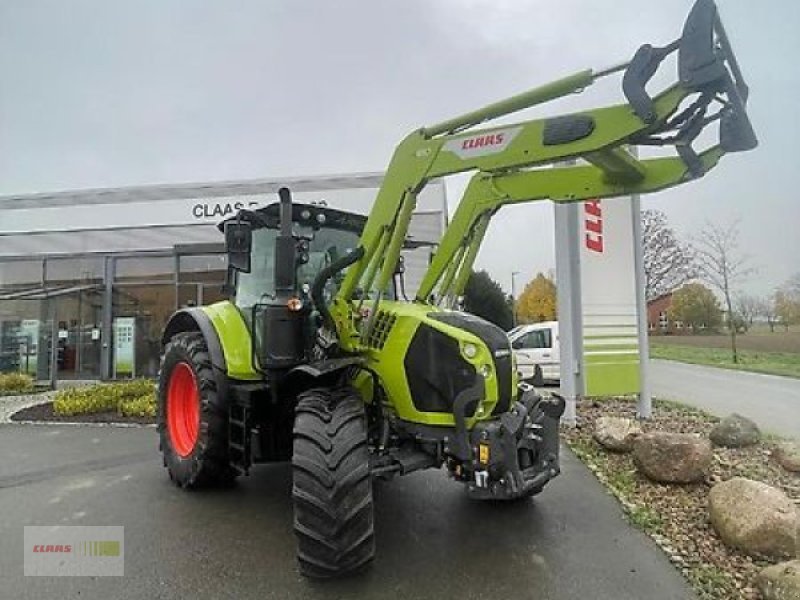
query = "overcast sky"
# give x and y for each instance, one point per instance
(100, 93)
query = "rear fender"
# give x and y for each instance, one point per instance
(194, 319)
(235, 340)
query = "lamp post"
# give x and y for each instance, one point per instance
(513, 299)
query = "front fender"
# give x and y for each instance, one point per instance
(323, 370)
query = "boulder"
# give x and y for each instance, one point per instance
(735, 431)
(780, 582)
(787, 454)
(616, 433)
(672, 457)
(755, 517)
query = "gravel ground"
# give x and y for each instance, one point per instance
(11, 404)
(44, 412)
(676, 516)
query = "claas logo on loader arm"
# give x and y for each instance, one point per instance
(483, 144)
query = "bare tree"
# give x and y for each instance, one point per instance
(792, 285)
(722, 265)
(747, 308)
(668, 263)
(767, 309)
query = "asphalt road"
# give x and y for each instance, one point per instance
(771, 401)
(571, 542)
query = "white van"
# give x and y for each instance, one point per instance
(537, 344)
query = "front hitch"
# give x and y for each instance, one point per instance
(517, 454)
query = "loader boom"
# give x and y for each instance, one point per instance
(511, 160)
(487, 193)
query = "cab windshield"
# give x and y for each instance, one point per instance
(326, 246)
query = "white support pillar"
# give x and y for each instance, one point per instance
(645, 408)
(568, 281)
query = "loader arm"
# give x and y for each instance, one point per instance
(511, 160)
(486, 193)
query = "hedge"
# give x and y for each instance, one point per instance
(15, 383)
(129, 398)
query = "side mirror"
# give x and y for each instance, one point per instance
(517, 344)
(238, 244)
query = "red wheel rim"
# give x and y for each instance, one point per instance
(183, 409)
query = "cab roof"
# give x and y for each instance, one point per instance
(306, 214)
(309, 214)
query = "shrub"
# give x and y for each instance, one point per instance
(136, 397)
(143, 406)
(15, 383)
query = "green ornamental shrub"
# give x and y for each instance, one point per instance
(13, 383)
(143, 406)
(130, 398)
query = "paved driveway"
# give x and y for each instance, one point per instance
(569, 543)
(771, 401)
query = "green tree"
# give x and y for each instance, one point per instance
(696, 306)
(485, 298)
(538, 300)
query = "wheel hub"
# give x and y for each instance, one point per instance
(183, 409)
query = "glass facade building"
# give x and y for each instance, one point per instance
(89, 278)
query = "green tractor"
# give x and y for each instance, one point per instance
(315, 359)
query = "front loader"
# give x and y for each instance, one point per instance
(316, 358)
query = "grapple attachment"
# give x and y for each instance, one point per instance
(707, 66)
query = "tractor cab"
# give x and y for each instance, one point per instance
(278, 258)
(285, 264)
(322, 235)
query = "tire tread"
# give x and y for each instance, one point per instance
(208, 465)
(332, 491)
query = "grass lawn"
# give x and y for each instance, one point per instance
(758, 338)
(774, 363)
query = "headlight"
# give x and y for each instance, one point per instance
(470, 350)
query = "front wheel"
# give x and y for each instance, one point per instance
(332, 491)
(192, 416)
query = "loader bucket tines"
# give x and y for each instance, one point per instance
(706, 66)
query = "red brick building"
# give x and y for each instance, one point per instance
(658, 321)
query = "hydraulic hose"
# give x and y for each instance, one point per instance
(318, 286)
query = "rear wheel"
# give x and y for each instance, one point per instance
(192, 415)
(332, 491)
